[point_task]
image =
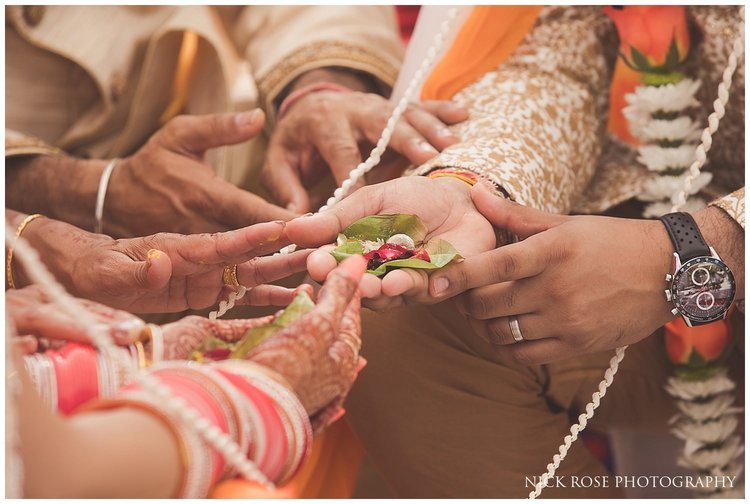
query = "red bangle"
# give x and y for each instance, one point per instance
(76, 374)
(272, 458)
(312, 88)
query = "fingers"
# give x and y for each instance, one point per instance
(231, 247)
(345, 350)
(431, 128)
(500, 300)
(505, 214)
(283, 181)
(322, 228)
(267, 295)
(338, 146)
(48, 321)
(25, 345)
(497, 331)
(262, 270)
(410, 143)
(236, 208)
(127, 275)
(194, 134)
(510, 262)
(447, 111)
(320, 263)
(408, 283)
(340, 287)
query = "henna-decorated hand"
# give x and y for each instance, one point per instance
(319, 353)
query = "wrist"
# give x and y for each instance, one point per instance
(61, 187)
(727, 238)
(351, 79)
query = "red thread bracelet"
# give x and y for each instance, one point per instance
(296, 95)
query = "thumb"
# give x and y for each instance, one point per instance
(194, 134)
(284, 183)
(238, 208)
(508, 215)
(153, 273)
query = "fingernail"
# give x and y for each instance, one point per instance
(132, 327)
(426, 147)
(247, 118)
(308, 214)
(445, 132)
(441, 285)
(337, 416)
(153, 255)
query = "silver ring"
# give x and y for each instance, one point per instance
(515, 329)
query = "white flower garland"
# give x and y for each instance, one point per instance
(657, 118)
(707, 418)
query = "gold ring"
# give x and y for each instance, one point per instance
(230, 276)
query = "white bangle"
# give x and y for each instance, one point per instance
(101, 193)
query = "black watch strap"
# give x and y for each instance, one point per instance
(686, 237)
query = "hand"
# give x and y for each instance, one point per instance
(168, 185)
(576, 284)
(38, 320)
(319, 353)
(165, 272)
(332, 128)
(443, 204)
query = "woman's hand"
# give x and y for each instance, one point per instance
(576, 284)
(319, 353)
(327, 131)
(164, 272)
(41, 322)
(444, 206)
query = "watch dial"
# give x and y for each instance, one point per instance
(703, 288)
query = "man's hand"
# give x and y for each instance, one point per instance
(443, 205)
(164, 272)
(576, 284)
(328, 131)
(168, 186)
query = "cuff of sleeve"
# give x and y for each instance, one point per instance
(320, 55)
(734, 205)
(20, 145)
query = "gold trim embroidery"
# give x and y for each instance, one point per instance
(317, 55)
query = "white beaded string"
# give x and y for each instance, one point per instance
(375, 155)
(679, 200)
(214, 436)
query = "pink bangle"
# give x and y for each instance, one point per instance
(296, 95)
(272, 458)
(76, 374)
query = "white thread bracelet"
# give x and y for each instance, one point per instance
(101, 193)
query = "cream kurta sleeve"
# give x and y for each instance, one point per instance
(734, 205)
(283, 42)
(537, 123)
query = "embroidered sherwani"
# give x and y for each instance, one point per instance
(438, 413)
(97, 81)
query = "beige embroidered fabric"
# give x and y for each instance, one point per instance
(538, 123)
(94, 81)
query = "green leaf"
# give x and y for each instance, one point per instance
(673, 57)
(300, 306)
(639, 60)
(385, 226)
(348, 249)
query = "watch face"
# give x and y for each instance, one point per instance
(703, 288)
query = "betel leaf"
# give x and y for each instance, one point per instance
(349, 248)
(385, 226)
(300, 306)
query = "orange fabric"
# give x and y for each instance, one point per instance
(330, 473)
(487, 38)
(624, 81)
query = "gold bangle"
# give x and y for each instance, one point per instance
(9, 255)
(141, 353)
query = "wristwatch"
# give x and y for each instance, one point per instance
(701, 285)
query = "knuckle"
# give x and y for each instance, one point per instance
(504, 267)
(477, 306)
